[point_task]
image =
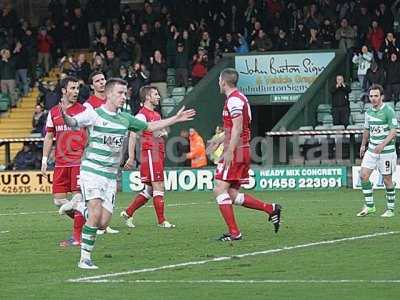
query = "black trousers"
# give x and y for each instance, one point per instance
(340, 115)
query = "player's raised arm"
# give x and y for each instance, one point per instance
(83, 119)
(181, 116)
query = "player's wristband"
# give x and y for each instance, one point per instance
(44, 160)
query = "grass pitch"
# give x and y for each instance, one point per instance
(186, 262)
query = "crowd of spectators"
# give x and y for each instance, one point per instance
(140, 44)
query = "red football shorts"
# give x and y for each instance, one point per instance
(65, 179)
(237, 173)
(151, 166)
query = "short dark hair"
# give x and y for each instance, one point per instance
(113, 82)
(64, 82)
(376, 86)
(95, 73)
(230, 76)
(145, 91)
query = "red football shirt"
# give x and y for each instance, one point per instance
(94, 102)
(70, 144)
(237, 105)
(148, 140)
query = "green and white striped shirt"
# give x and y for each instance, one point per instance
(379, 122)
(107, 131)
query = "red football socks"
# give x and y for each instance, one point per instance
(79, 221)
(254, 203)
(138, 202)
(229, 217)
(158, 202)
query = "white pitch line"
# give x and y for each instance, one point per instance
(219, 281)
(5, 231)
(29, 213)
(224, 258)
(55, 211)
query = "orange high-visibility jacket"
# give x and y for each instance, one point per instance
(197, 153)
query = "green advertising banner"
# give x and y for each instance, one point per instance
(272, 179)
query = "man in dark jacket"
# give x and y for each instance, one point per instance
(340, 102)
(392, 86)
(375, 74)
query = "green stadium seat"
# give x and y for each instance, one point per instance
(358, 118)
(179, 91)
(189, 89)
(323, 127)
(397, 107)
(355, 85)
(305, 128)
(4, 106)
(356, 107)
(178, 99)
(171, 81)
(324, 108)
(337, 127)
(166, 110)
(324, 118)
(171, 71)
(5, 102)
(355, 126)
(168, 102)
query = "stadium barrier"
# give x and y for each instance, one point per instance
(271, 179)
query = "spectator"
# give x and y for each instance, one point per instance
(396, 15)
(158, 73)
(44, 43)
(228, 44)
(159, 37)
(38, 119)
(363, 20)
(111, 64)
(94, 12)
(80, 68)
(282, 43)
(314, 41)
(327, 34)
(197, 154)
(25, 158)
(262, 42)
(242, 46)
(79, 27)
(385, 17)
(216, 151)
(183, 148)
(98, 63)
(21, 65)
(145, 41)
(124, 50)
(199, 65)
(375, 38)
(389, 46)
(345, 35)
(375, 74)
(340, 102)
(171, 44)
(7, 76)
(181, 65)
(140, 77)
(392, 84)
(363, 60)
(50, 94)
(300, 37)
